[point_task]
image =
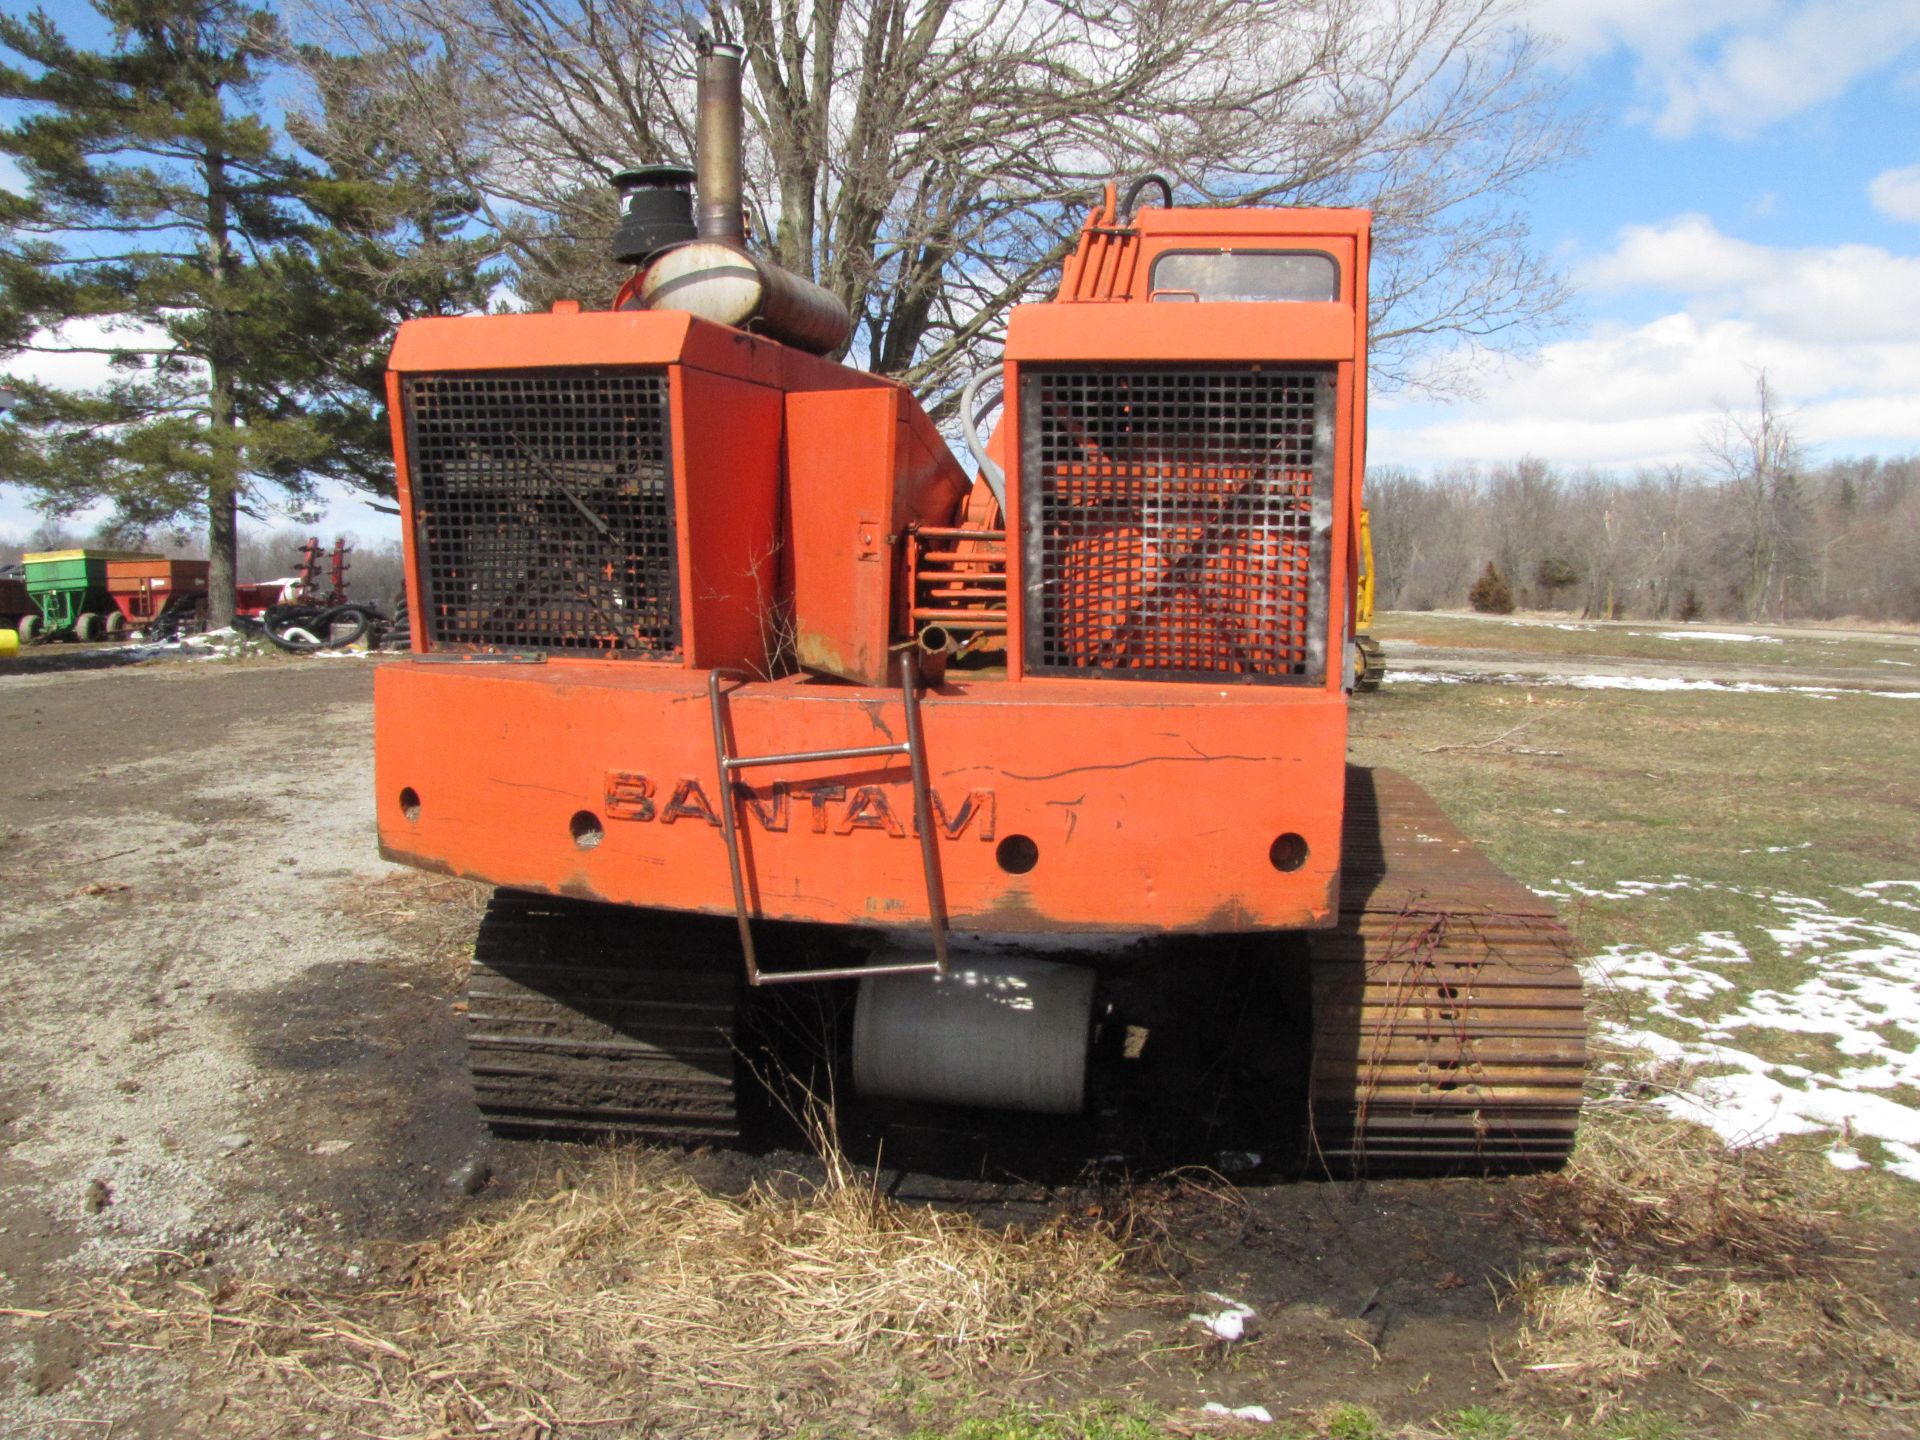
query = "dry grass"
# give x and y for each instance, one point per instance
(1697, 1258)
(630, 1301)
(1644, 1187)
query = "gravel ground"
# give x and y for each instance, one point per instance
(228, 1025)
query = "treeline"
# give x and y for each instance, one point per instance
(1819, 543)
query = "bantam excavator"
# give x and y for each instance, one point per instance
(708, 625)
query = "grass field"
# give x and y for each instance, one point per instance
(1745, 869)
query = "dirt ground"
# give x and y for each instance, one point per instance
(232, 1032)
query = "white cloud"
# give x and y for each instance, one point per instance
(1813, 293)
(1734, 66)
(1896, 193)
(82, 369)
(1587, 29)
(1826, 323)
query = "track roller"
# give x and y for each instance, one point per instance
(1369, 664)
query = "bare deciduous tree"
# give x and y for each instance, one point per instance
(1675, 543)
(929, 160)
(1759, 456)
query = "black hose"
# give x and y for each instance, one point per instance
(1133, 195)
(318, 623)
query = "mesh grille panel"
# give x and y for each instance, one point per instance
(1178, 522)
(543, 506)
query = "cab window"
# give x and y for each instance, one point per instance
(1245, 275)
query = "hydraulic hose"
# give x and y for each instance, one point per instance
(990, 471)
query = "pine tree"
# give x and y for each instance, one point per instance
(1491, 594)
(169, 229)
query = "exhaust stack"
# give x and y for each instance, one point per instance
(715, 277)
(717, 148)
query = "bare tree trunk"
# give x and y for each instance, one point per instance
(223, 482)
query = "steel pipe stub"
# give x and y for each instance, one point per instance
(1005, 1034)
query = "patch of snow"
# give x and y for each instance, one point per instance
(1731, 635)
(1664, 684)
(1845, 1157)
(1861, 987)
(1906, 1160)
(1621, 889)
(1229, 1323)
(1258, 1413)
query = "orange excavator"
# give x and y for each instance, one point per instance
(733, 679)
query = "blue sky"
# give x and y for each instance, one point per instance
(1749, 199)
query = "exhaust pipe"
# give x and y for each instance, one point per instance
(717, 143)
(714, 276)
(935, 648)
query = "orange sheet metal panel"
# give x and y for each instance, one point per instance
(133, 577)
(726, 425)
(1123, 333)
(726, 445)
(1153, 807)
(862, 465)
(1251, 225)
(403, 489)
(600, 337)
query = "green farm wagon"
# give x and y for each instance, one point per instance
(69, 591)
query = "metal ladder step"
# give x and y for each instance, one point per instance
(913, 747)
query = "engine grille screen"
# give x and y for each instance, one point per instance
(543, 507)
(1178, 522)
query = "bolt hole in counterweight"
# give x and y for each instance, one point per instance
(410, 803)
(1017, 854)
(586, 829)
(1288, 852)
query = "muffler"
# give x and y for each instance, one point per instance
(714, 276)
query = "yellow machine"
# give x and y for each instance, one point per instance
(1369, 661)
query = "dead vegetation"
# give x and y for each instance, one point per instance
(1722, 1266)
(630, 1298)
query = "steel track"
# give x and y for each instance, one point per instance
(587, 1019)
(1449, 1033)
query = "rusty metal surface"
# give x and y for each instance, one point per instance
(1449, 1032)
(585, 1019)
(717, 150)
